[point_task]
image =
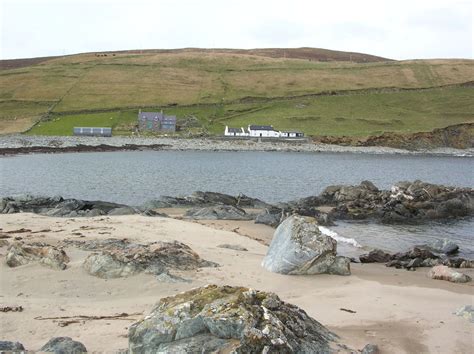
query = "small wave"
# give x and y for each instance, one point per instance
(338, 238)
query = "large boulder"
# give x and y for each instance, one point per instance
(228, 319)
(299, 247)
(64, 345)
(120, 258)
(442, 272)
(218, 212)
(20, 254)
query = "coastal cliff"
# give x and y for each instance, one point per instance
(459, 136)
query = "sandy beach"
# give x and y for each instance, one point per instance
(400, 311)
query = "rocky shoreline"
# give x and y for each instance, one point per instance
(90, 275)
(101, 242)
(406, 202)
(24, 144)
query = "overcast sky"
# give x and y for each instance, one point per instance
(398, 29)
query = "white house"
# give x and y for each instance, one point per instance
(264, 131)
(235, 131)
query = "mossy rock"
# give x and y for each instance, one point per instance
(231, 319)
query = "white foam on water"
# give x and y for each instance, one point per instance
(338, 238)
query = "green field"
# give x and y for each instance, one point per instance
(231, 88)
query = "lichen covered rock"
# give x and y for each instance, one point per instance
(121, 258)
(20, 254)
(299, 247)
(228, 319)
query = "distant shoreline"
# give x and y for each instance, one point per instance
(26, 144)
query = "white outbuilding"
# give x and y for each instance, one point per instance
(291, 134)
(235, 131)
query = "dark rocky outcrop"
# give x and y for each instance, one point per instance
(308, 206)
(203, 199)
(442, 272)
(418, 256)
(228, 319)
(120, 258)
(20, 253)
(375, 256)
(58, 206)
(218, 212)
(64, 345)
(11, 346)
(405, 202)
(299, 247)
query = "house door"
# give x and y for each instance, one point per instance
(260, 134)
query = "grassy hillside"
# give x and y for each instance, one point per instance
(207, 89)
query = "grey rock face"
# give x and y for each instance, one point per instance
(441, 272)
(228, 319)
(219, 212)
(121, 258)
(298, 247)
(466, 312)
(11, 346)
(64, 345)
(19, 254)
